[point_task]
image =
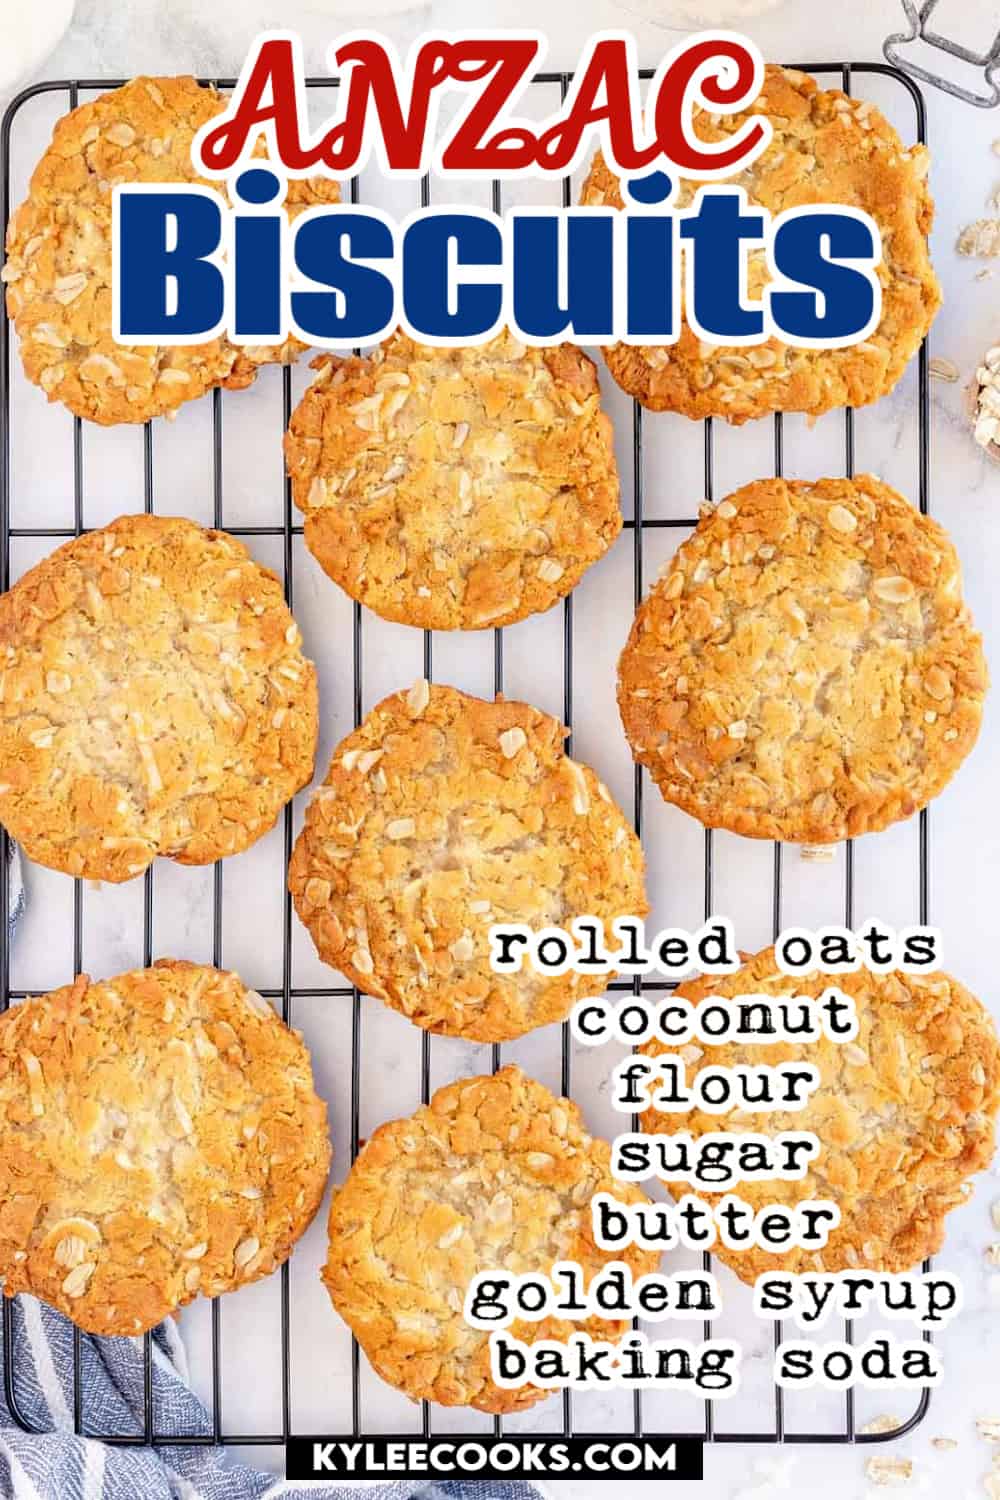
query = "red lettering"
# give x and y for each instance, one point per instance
(273, 71)
(607, 71)
(376, 104)
(675, 138)
(509, 62)
(374, 81)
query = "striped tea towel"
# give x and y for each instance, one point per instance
(48, 1462)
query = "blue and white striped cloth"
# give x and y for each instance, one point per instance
(48, 1462)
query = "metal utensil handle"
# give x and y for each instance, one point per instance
(920, 30)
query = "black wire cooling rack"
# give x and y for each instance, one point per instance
(639, 524)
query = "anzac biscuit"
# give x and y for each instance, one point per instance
(455, 488)
(805, 667)
(441, 815)
(159, 1137)
(494, 1174)
(154, 700)
(826, 148)
(904, 1113)
(58, 269)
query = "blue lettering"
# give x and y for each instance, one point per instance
(810, 249)
(587, 311)
(257, 273)
(361, 303)
(168, 289)
(437, 302)
(718, 231)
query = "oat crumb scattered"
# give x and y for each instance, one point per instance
(884, 1423)
(944, 369)
(819, 854)
(982, 237)
(986, 428)
(889, 1472)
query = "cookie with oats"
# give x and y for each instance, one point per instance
(805, 667)
(160, 1137)
(826, 148)
(58, 266)
(494, 1174)
(441, 815)
(455, 489)
(904, 1114)
(154, 700)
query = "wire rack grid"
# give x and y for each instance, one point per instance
(639, 525)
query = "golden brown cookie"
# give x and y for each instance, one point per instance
(805, 667)
(159, 1137)
(904, 1114)
(826, 148)
(455, 488)
(495, 1173)
(58, 269)
(441, 815)
(154, 700)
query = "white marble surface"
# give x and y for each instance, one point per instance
(183, 35)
